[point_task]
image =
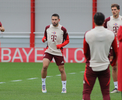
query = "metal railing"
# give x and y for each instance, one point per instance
(22, 39)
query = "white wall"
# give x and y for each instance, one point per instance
(76, 16)
(104, 6)
(15, 15)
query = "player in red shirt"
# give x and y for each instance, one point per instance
(57, 37)
(112, 23)
(1, 27)
(96, 46)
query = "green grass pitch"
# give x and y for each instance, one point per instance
(22, 81)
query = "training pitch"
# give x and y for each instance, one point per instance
(22, 81)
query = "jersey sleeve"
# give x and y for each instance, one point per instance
(106, 20)
(86, 50)
(65, 39)
(119, 34)
(0, 24)
(45, 33)
(65, 35)
(115, 52)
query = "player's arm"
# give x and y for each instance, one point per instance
(115, 52)
(2, 29)
(85, 48)
(45, 36)
(119, 34)
(66, 40)
(105, 22)
(64, 43)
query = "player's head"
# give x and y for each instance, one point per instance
(99, 18)
(115, 8)
(55, 19)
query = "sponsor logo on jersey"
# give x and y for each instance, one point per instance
(54, 32)
(115, 24)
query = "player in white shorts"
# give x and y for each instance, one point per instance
(112, 23)
(57, 37)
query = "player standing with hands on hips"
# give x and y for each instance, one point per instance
(112, 23)
(1, 27)
(96, 46)
(57, 37)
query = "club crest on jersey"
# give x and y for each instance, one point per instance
(54, 32)
(115, 24)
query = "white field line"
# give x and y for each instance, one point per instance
(72, 73)
(16, 80)
(82, 72)
(58, 75)
(32, 78)
(2, 82)
(48, 76)
(37, 77)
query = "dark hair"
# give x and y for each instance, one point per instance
(99, 18)
(56, 15)
(115, 5)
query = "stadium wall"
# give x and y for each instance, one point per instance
(73, 55)
(104, 6)
(15, 16)
(76, 16)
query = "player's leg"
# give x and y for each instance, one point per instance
(114, 75)
(44, 68)
(104, 80)
(46, 61)
(63, 77)
(60, 63)
(88, 82)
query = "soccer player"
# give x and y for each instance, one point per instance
(96, 46)
(57, 37)
(1, 27)
(112, 23)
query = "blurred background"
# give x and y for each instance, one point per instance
(75, 15)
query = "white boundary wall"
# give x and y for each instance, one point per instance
(76, 16)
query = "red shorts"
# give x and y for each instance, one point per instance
(89, 81)
(111, 54)
(58, 59)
